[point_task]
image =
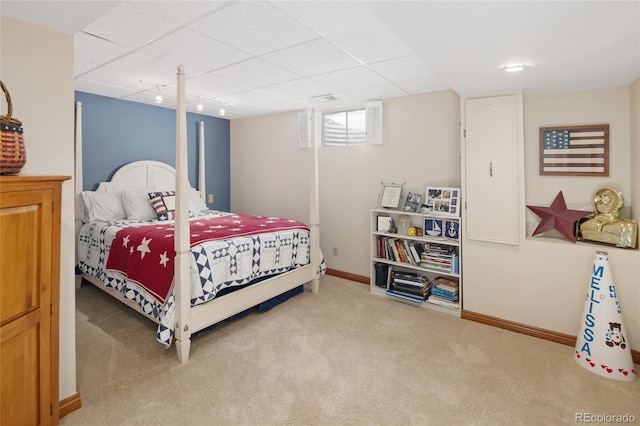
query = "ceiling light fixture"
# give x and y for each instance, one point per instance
(158, 96)
(199, 106)
(222, 112)
(514, 67)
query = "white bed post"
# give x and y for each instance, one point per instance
(314, 212)
(78, 179)
(201, 165)
(182, 288)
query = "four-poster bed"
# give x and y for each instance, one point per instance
(204, 270)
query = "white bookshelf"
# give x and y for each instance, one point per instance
(449, 238)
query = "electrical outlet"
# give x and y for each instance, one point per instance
(210, 198)
(335, 251)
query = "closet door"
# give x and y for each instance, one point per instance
(493, 140)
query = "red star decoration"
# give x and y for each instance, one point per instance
(559, 217)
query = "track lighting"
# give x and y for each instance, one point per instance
(158, 96)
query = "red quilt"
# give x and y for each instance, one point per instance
(145, 254)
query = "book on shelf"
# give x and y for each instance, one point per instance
(441, 294)
(407, 252)
(416, 250)
(410, 277)
(442, 302)
(447, 284)
(409, 298)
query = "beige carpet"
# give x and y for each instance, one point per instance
(341, 357)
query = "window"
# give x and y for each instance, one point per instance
(360, 126)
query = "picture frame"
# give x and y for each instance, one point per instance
(433, 228)
(404, 223)
(385, 224)
(451, 229)
(443, 201)
(412, 202)
(390, 195)
(574, 150)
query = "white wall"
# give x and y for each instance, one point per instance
(36, 65)
(543, 281)
(270, 174)
(634, 156)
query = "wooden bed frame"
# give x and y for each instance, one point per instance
(145, 174)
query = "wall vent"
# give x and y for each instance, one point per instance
(325, 98)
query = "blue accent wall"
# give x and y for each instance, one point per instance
(116, 132)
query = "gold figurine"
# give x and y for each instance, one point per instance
(604, 225)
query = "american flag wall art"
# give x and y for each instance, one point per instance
(575, 150)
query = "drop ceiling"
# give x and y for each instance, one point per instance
(261, 57)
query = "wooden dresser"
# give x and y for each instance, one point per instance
(29, 298)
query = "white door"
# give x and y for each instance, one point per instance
(493, 142)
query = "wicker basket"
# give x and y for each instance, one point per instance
(14, 155)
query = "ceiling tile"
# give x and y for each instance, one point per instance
(181, 12)
(213, 85)
(117, 24)
(328, 17)
(424, 85)
(300, 88)
(255, 27)
(194, 50)
(402, 69)
(373, 45)
(256, 72)
(315, 57)
(116, 78)
(94, 50)
(149, 68)
(375, 92)
(292, 105)
(257, 97)
(351, 78)
(99, 88)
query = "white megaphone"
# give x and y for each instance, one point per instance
(602, 346)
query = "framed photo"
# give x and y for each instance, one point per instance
(412, 202)
(390, 195)
(433, 227)
(385, 224)
(442, 200)
(574, 150)
(451, 229)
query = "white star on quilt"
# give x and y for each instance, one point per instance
(164, 259)
(143, 248)
(131, 250)
(125, 241)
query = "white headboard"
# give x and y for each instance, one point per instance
(140, 175)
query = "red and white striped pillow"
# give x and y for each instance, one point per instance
(164, 203)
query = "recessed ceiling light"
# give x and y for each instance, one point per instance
(514, 67)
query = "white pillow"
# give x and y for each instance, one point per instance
(196, 203)
(102, 206)
(138, 206)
